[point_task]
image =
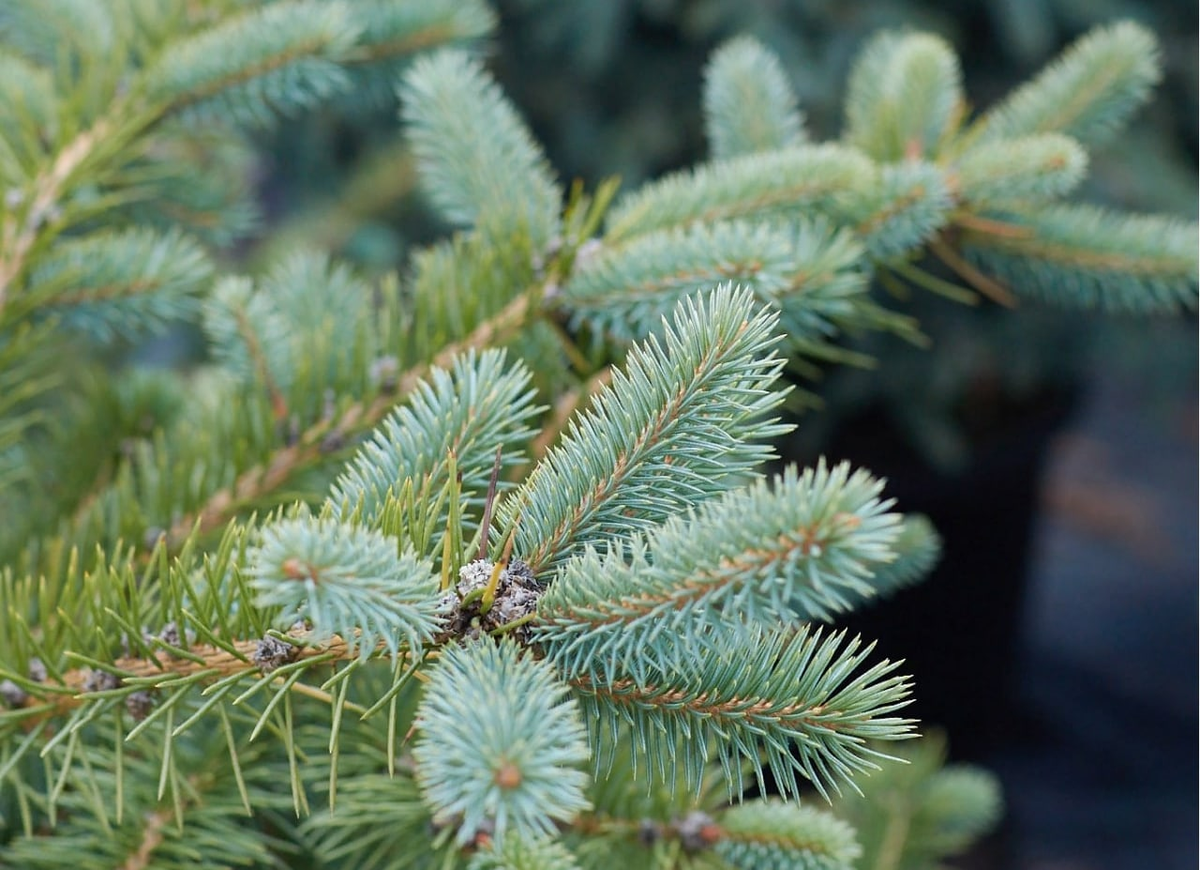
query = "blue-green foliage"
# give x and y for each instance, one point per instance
(916, 547)
(676, 609)
(788, 183)
(683, 421)
(42, 29)
(298, 331)
(797, 703)
(804, 549)
(811, 273)
(121, 283)
(468, 411)
(524, 853)
(479, 164)
(1004, 171)
(1088, 93)
(393, 30)
(749, 104)
(773, 835)
(1088, 257)
(904, 97)
(218, 73)
(904, 206)
(500, 741)
(346, 581)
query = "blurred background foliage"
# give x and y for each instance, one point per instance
(614, 88)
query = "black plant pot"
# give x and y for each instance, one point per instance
(959, 630)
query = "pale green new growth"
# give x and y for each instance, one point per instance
(940, 808)
(749, 104)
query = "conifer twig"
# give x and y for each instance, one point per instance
(15, 243)
(989, 287)
(218, 663)
(565, 408)
(361, 416)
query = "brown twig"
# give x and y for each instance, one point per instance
(565, 408)
(989, 287)
(221, 662)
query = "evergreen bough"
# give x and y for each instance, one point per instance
(465, 629)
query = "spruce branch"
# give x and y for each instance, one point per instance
(182, 177)
(795, 703)
(749, 105)
(812, 273)
(904, 98)
(378, 817)
(277, 59)
(479, 164)
(498, 742)
(524, 853)
(28, 117)
(391, 30)
(679, 424)
(1088, 93)
(1005, 171)
(772, 833)
(118, 282)
(916, 548)
(789, 183)
(921, 812)
(1088, 257)
(193, 664)
(346, 581)
(21, 229)
(469, 413)
(200, 824)
(904, 207)
(804, 549)
(269, 475)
